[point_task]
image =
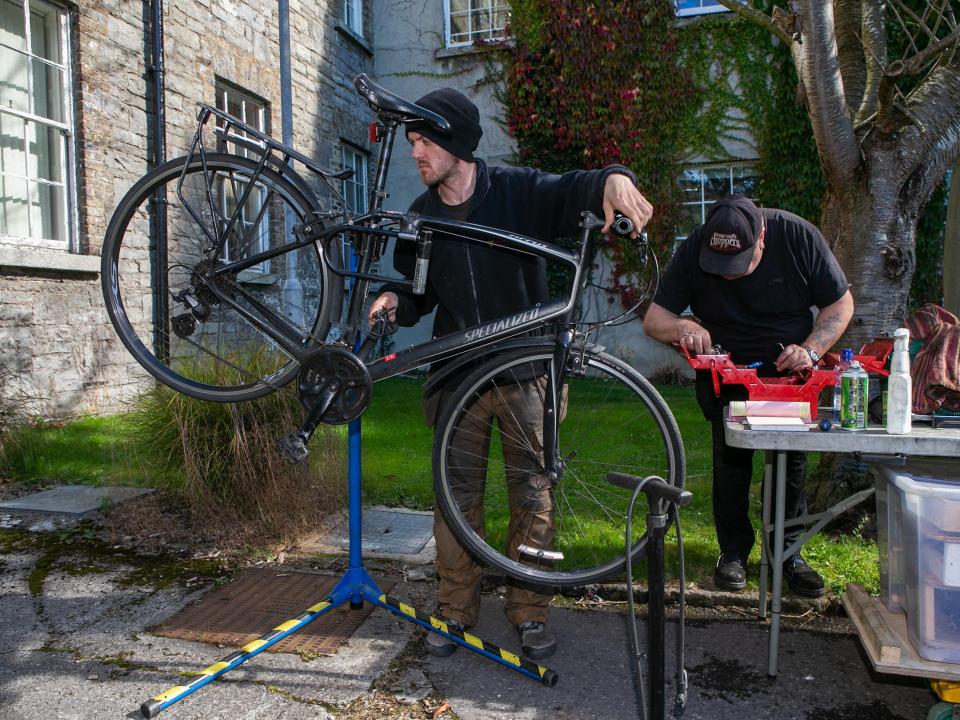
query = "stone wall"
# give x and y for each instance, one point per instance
(53, 326)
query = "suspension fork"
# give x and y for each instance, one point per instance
(553, 463)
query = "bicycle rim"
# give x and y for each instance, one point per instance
(199, 345)
(488, 449)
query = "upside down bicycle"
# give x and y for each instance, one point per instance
(225, 274)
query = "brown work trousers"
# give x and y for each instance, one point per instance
(519, 414)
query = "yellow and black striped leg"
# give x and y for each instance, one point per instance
(210, 673)
(471, 642)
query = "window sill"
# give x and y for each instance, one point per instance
(350, 35)
(50, 261)
(474, 49)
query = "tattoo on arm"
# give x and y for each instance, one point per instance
(827, 329)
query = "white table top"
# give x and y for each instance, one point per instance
(922, 441)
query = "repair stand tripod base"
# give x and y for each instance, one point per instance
(354, 587)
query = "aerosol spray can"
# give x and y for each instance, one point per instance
(854, 392)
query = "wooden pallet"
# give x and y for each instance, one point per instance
(884, 637)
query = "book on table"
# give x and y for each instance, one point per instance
(777, 424)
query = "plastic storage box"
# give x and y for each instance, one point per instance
(889, 539)
(929, 536)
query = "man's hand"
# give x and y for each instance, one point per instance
(388, 302)
(619, 193)
(794, 359)
(693, 337)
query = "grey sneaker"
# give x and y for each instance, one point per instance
(535, 640)
(440, 645)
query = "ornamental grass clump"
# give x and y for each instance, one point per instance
(221, 459)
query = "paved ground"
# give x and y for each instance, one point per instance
(75, 646)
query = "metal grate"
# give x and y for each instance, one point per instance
(260, 600)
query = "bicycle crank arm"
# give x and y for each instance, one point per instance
(293, 446)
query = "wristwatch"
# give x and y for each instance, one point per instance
(814, 355)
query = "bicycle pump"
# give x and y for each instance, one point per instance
(661, 498)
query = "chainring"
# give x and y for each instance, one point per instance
(335, 364)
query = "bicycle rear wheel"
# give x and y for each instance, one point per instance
(161, 303)
(569, 530)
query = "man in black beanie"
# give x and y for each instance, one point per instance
(468, 285)
(751, 276)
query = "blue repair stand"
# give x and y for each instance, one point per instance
(354, 587)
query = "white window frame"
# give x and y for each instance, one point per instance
(702, 201)
(69, 223)
(353, 16)
(253, 112)
(710, 7)
(487, 34)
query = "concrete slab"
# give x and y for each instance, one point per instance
(387, 533)
(73, 499)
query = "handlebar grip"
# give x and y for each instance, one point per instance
(655, 487)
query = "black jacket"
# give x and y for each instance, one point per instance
(471, 284)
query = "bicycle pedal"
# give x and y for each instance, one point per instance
(292, 448)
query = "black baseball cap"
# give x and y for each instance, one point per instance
(729, 236)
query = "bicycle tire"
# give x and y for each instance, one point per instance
(223, 358)
(588, 514)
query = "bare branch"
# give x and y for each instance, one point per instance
(850, 49)
(934, 137)
(819, 70)
(874, 38)
(755, 16)
(914, 64)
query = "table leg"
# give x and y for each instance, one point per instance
(780, 471)
(764, 526)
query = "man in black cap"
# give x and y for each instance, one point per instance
(751, 277)
(469, 285)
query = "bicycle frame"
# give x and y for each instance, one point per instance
(369, 234)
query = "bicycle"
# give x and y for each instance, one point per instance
(244, 293)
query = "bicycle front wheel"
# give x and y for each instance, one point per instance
(506, 508)
(160, 295)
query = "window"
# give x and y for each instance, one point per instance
(698, 7)
(468, 21)
(247, 240)
(36, 123)
(353, 15)
(703, 185)
(354, 188)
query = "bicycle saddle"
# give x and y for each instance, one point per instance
(384, 102)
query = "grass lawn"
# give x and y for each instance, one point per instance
(397, 472)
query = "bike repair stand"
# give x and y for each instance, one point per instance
(354, 587)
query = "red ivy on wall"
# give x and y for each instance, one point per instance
(595, 83)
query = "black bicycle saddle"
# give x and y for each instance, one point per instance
(384, 102)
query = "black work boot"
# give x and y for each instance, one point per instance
(730, 573)
(535, 640)
(440, 645)
(802, 579)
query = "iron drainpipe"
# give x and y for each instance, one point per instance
(293, 299)
(158, 255)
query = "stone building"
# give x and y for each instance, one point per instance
(76, 116)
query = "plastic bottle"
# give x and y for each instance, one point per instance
(846, 357)
(854, 389)
(899, 385)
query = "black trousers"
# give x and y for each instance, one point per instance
(733, 473)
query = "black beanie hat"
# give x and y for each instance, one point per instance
(463, 116)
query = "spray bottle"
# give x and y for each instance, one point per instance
(899, 385)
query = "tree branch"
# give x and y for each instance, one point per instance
(873, 35)
(755, 16)
(850, 51)
(819, 70)
(932, 143)
(915, 64)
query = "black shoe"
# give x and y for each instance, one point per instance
(730, 573)
(535, 640)
(440, 645)
(802, 579)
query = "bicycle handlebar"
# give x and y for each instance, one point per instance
(654, 487)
